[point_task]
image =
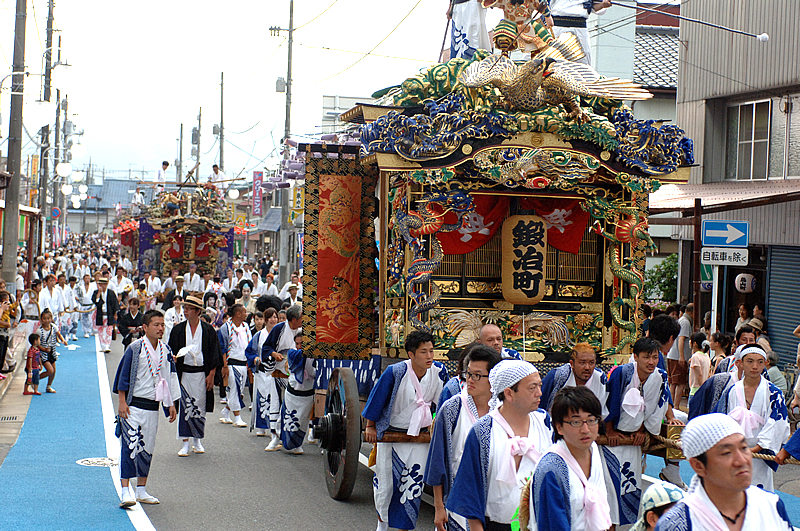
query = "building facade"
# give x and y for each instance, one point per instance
(739, 100)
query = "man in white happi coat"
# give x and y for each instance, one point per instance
(198, 357)
(234, 336)
(146, 379)
(581, 370)
(568, 489)
(638, 402)
(454, 420)
(83, 294)
(50, 298)
(273, 354)
(154, 289)
(502, 450)
(298, 398)
(230, 282)
(264, 390)
(192, 279)
(127, 264)
(571, 15)
(491, 336)
(759, 408)
(120, 283)
(722, 495)
(468, 33)
(402, 400)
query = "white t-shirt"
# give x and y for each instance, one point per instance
(686, 331)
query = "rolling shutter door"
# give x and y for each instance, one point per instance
(783, 302)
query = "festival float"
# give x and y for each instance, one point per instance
(498, 191)
(190, 225)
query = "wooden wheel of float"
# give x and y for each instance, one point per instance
(339, 433)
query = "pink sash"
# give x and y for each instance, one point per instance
(703, 513)
(421, 417)
(633, 402)
(594, 501)
(749, 421)
(517, 446)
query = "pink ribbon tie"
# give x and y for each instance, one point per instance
(748, 420)
(162, 392)
(595, 502)
(517, 446)
(421, 417)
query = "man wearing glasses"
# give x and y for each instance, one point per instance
(568, 490)
(454, 421)
(580, 371)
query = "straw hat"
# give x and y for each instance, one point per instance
(192, 300)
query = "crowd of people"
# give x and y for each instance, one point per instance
(497, 442)
(507, 445)
(182, 335)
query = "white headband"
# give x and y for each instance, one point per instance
(507, 373)
(705, 431)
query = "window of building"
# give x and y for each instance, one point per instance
(748, 141)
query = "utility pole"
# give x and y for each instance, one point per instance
(14, 164)
(286, 227)
(199, 124)
(48, 53)
(221, 125)
(179, 162)
(56, 158)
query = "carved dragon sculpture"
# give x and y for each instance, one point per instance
(409, 226)
(630, 228)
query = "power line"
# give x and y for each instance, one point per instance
(241, 132)
(315, 18)
(327, 48)
(374, 47)
(36, 22)
(691, 64)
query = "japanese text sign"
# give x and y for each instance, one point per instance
(524, 259)
(258, 177)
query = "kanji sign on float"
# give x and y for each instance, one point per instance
(524, 259)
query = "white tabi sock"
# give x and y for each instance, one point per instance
(238, 418)
(141, 491)
(196, 441)
(382, 526)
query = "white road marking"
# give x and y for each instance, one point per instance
(137, 515)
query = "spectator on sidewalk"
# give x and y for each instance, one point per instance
(49, 338)
(6, 321)
(32, 366)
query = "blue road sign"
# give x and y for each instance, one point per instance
(723, 233)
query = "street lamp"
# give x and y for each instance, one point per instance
(66, 189)
(233, 193)
(83, 189)
(64, 169)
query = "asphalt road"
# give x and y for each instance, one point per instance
(237, 485)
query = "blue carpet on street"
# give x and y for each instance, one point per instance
(41, 486)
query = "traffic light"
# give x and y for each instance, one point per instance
(195, 136)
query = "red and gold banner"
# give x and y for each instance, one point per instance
(337, 252)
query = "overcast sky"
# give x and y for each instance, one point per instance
(141, 69)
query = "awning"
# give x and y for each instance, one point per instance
(270, 222)
(723, 196)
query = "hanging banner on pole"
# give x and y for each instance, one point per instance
(258, 178)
